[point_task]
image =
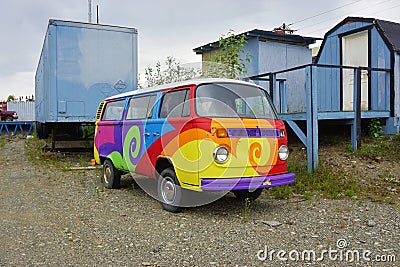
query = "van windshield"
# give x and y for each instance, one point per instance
(232, 100)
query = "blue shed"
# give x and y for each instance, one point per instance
(273, 51)
(361, 42)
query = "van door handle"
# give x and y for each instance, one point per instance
(156, 134)
(146, 134)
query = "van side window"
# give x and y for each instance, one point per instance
(137, 108)
(186, 105)
(113, 110)
(140, 107)
(174, 106)
(150, 109)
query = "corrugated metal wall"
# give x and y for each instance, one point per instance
(25, 110)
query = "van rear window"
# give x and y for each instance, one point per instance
(113, 111)
(233, 100)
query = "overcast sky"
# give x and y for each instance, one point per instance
(166, 28)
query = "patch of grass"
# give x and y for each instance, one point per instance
(88, 135)
(326, 181)
(35, 153)
(246, 209)
(281, 192)
(34, 149)
(387, 147)
(307, 195)
(2, 142)
(349, 193)
(332, 181)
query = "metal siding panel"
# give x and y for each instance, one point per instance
(397, 85)
(252, 66)
(275, 56)
(50, 89)
(25, 110)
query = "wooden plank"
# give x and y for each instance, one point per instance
(356, 127)
(272, 89)
(336, 115)
(314, 107)
(309, 121)
(282, 96)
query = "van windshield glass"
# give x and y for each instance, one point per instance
(233, 100)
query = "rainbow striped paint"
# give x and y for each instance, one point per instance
(188, 144)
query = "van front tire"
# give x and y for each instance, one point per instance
(111, 176)
(169, 190)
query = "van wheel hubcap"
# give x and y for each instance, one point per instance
(168, 190)
(107, 174)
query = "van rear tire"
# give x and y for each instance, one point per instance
(111, 176)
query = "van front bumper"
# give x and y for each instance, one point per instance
(247, 183)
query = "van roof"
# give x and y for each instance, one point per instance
(179, 84)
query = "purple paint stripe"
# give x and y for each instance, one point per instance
(253, 132)
(247, 183)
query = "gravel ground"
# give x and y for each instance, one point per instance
(52, 217)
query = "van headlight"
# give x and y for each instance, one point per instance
(283, 152)
(221, 154)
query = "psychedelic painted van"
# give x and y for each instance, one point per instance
(198, 136)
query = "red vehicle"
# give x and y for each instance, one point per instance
(8, 115)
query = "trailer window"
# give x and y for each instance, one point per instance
(113, 111)
(140, 107)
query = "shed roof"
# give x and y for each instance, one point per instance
(391, 30)
(263, 36)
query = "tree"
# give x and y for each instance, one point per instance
(232, 48)
(229, 61)
(11, 98)
(172, 72)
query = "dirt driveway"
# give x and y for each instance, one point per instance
(54, 217)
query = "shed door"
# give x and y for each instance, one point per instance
(355, 53)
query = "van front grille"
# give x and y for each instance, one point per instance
(99, 110)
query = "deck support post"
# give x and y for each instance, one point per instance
(282, 97)
(312, 118)
(356, 125)
(272, 89)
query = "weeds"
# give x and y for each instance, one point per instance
(337, 179)
(34, 149)
(387, 147)
(375, 129)
(34, 152)
(281, 192)
(2, 142)
(326, 181)
(246, 209)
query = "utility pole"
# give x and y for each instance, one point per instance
(90, 11)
